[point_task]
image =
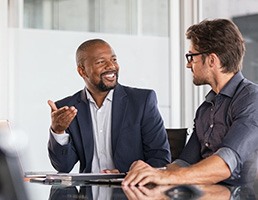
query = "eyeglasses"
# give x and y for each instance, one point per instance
(189, 56)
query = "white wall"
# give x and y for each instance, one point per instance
(43, 67)
(3, 60)
(39, 65)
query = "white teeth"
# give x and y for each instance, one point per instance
(110, 75)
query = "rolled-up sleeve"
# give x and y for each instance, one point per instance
(229, 157)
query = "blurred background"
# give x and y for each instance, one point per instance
(38, 40)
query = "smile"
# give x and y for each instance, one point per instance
(110, 75)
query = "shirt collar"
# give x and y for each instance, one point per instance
(108, 97)
(229, 89)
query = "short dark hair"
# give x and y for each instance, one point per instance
(80, 57)
(222, 37)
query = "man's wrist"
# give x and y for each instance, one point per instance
(56, 132)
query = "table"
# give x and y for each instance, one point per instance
(115, 191)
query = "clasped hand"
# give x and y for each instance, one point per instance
(141, 173)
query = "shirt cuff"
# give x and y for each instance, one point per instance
(229, 157)
(61, 139)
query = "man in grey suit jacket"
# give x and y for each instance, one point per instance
(106, 126)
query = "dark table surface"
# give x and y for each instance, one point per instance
(81, 191)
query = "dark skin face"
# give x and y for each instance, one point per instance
(99, 70)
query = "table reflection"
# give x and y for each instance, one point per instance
(101, 192)
(147, 193)
(177, 192)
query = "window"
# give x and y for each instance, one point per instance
(132, 17)
(244, 14)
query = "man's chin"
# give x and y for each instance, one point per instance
(198, 83)
(105, 88)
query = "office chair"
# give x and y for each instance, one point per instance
(177, 140)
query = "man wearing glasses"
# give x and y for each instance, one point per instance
(223, 145)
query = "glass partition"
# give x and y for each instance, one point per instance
(245, 14)
(134, 17)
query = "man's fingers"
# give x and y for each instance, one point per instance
(136, 164)
(64, 115)
(71, 112)
(52, 105)
(129, 193)
(138, 174)
(110, 171)
(61, 117)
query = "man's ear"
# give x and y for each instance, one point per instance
(81, 70)
(214, 60)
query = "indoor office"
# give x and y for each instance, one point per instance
(38, 43)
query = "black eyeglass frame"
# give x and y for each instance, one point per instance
(189, 56)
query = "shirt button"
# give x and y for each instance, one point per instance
(211, 125)
(207, 144)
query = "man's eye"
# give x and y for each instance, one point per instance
(100, 62)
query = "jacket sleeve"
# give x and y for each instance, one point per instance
(62, 157)
(155, 141)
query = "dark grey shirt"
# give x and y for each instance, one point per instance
(226, 124)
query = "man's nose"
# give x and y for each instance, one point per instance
(110, 65)
(188, 65)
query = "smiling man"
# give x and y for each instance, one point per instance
(106, 126)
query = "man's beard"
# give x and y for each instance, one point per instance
(104, 88)
(199, 82)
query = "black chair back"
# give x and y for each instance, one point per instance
(177, 140)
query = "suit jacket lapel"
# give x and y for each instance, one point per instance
(119, 107)
(85, 125)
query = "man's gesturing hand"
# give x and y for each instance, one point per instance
(62, 117)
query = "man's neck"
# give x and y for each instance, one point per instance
(220, 81)
(98, 96)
